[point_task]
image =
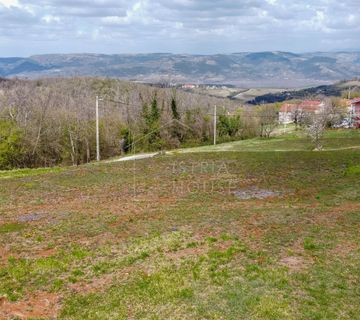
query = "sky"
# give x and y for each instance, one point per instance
(177, 26)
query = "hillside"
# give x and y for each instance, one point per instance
(235, 235)
(342, 88)
(51, 121)
(261, 69)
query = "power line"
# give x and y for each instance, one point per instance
(185, 112)
(123, 103)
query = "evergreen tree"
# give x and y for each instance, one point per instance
(10, 144)
(146, 116)
(175, 113)
(152, 124)
(154, 112)
(176, 130)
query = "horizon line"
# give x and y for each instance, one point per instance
(184, 53)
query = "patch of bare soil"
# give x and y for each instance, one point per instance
(30, 217)
(4, 254)
(200, 250)
(256, 193)
(344, 249)
(336, 215)
(40, 305)
(46, 253)
(96, 285)
(294, 263)
(298, 246)
(249, 229)
(223, 245)
(103, 282)
(183, 253)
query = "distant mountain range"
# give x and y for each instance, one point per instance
(261, 69)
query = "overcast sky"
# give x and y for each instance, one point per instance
(179, 26)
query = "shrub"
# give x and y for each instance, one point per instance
(10, 145)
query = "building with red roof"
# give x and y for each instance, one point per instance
(312, 106)
(289, 112)
(355, 113)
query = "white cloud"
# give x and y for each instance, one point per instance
(50, 18)
(115, 20)
(179, 25)
(10, 3)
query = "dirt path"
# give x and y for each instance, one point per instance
(135, 157)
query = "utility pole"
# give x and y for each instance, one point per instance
(215, 119)
(97, 129)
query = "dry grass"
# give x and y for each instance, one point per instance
(77, 244)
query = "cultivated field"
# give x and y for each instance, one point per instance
(211, 235)
(221, 92)
(239, 94)
(250, 94)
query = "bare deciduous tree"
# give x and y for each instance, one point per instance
(268, 119)
(315, 127)
(57, 116)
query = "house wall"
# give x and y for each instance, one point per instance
(286, 117)
(355, 115)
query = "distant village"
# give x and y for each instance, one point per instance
(189, 86)
(294, 112)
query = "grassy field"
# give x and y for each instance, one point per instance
(241, 94)
(249, 94)
(170, 237)
(223, 92)
(293, 141)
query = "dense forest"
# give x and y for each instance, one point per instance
(52, 121)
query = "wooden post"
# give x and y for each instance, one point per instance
(215, 125)
(97, 130)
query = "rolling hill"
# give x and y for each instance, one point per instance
(260, 69)
(332, 90)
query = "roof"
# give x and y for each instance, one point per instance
(306, 105)
(355, 101)
(287, 107)
(310, 105)
(357, 109)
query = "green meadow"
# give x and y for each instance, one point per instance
(269, 230)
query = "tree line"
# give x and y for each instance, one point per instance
(49, 122)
